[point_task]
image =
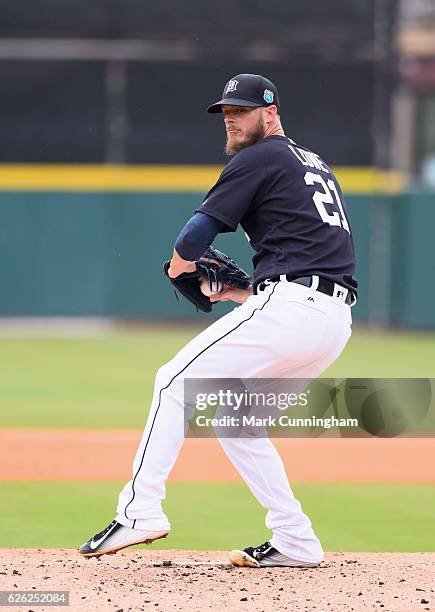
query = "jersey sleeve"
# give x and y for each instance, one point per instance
(237, 188)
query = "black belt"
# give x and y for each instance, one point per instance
(325, 286)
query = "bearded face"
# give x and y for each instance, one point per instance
(244, 126)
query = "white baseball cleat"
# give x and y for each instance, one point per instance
(115, 537)
(265, 556)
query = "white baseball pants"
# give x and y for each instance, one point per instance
(286, 330)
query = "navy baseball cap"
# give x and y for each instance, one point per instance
(247, 90)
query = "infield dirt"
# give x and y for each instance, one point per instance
(52, 454)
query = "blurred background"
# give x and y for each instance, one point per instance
(106, 147)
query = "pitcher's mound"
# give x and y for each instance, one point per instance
(140, 579)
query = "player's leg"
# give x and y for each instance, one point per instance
(307, 347)
(139, 513)
(220, 351)
(258, 462)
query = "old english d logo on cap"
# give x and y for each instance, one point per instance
(231, 86)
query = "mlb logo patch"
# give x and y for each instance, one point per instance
(268, 96)
(231, 86)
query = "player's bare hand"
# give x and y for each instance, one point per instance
(175, 270)
(231, 294)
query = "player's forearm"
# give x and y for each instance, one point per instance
(198, 233)
(196, 236)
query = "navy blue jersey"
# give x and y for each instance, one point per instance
(291, 208)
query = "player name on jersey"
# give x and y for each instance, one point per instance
(308, 158)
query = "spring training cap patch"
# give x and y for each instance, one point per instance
(268, 96)
(247, 90)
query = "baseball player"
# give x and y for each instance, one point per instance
(293, 322)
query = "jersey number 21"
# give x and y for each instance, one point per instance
(329, 195)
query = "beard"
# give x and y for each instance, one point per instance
(256, 134)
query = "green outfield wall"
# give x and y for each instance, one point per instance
(413, 260)
(100, 254)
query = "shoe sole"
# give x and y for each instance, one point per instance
(241, 559)
(112, 551)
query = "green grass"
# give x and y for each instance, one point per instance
(92, 383)
(346, 517)
(108, 382)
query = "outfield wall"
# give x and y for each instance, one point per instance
(99, 253)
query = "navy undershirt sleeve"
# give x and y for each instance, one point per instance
(197, 235)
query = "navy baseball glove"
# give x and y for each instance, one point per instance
(214, 271)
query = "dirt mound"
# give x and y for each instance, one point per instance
(187, 580)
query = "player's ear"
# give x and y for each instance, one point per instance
(271, 113)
